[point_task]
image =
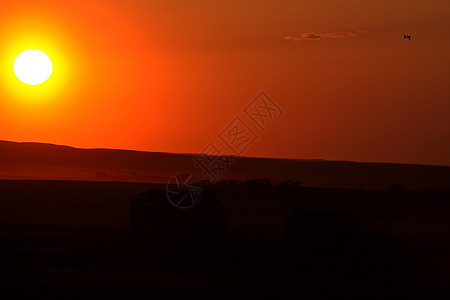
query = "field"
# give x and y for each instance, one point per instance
(68, 238)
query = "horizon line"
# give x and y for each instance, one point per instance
(229, 155)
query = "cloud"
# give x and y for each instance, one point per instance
(332, 35)
(311, 36)
(339, 35)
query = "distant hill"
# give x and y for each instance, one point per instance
(47, 161)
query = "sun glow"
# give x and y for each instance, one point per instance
(33, 67)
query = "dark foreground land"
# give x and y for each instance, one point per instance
(72, 239)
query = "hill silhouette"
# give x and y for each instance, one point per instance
(47, 161)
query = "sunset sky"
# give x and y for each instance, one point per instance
(171, 75)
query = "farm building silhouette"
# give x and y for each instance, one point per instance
(152, 213)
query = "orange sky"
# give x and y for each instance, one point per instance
(170, 75)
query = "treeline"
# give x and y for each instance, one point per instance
(264, 187)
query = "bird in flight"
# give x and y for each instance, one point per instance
(405, 36)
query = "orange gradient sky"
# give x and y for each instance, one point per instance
(170, 75)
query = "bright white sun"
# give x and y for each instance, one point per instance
(33, 67)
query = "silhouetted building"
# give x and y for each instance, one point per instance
(153, 213)
(321, 226)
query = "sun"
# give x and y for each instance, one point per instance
(33, 67)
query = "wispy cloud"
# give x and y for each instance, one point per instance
(311, 36)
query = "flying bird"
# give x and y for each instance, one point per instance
(405, 36)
